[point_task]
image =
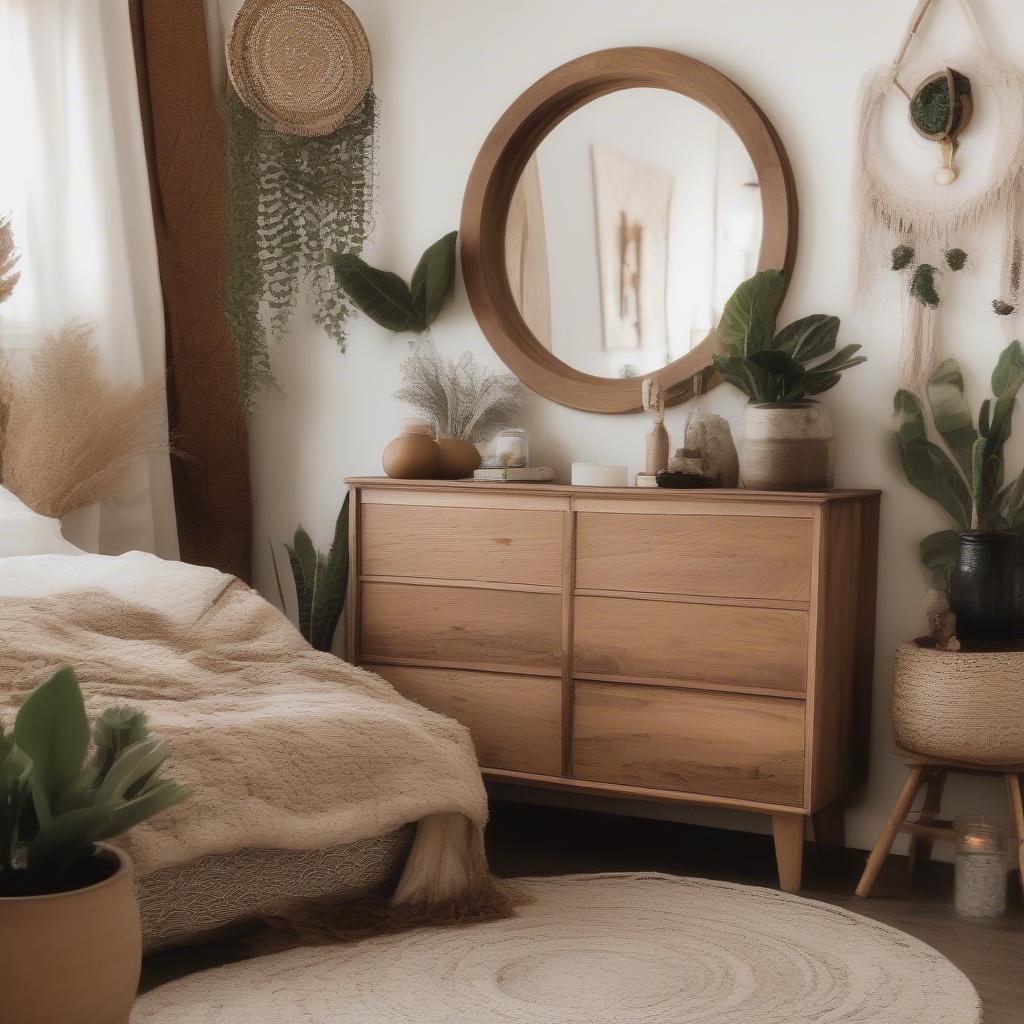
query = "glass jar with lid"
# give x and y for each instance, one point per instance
(512, 449)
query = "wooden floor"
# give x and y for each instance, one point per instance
(529, 840)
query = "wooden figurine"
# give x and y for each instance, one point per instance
(656, 459)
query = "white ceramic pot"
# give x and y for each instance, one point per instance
(787, 446)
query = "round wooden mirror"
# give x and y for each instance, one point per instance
(610, 213)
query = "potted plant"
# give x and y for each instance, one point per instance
(67, 896)
(980, 562)
(788, 442)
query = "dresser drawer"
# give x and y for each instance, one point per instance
(516, 721)
(495, 545)
(714, 744)
(461, 627)
(755, 557)
(758, 648)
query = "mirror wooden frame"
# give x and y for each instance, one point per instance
(495, 176)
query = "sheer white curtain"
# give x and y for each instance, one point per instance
(73, 177)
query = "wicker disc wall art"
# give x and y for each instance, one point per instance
(301, 118)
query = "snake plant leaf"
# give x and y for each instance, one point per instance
(762, 292)
(808, 337)
(434, 276)
(303, 583)
(1009, 366)
(384, 297)
(1011, 505)
(332, 586)
(926, 465)
(951, 413)
(939, 553)
(52, 730)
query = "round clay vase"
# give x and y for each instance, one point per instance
(458, 458)
(986, 589)
(787, 446)
(76, 955)
(414, 454)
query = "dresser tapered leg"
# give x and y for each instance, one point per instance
(788, 830)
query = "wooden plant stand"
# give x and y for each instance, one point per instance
(924, 826)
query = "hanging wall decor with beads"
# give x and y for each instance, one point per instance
(301, 116)
(929, 226)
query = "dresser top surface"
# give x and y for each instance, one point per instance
(636, 493)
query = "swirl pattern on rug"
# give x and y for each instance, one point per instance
(600, 949)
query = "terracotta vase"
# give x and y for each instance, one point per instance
(458, 458)
(414, 454)
(787, 446)
(75, 956)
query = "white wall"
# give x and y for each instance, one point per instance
(445, 71)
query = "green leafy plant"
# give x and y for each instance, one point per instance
(321, 582)
(55, 802)
(966, 477)
(386, 299)
(770, 366)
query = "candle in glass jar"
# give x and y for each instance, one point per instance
(981, 868)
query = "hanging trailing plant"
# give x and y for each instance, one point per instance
(294, 200)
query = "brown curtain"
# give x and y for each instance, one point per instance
(185, 147)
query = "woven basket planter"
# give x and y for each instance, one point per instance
(963, 706)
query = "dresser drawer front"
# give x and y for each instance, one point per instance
(714, 744)
(515, 721)
(686, 642)
(461, 627)
(495, 545)
(696, 555)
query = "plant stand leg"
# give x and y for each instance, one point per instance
(1013, 791)
(788, 831)
(921, 849)
(830, 829)
(891, 831)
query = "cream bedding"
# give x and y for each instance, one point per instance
(283, 747)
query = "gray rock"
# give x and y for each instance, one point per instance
(710, 435)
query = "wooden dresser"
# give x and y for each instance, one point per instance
(706, 647)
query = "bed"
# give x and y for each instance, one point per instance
(309, 778)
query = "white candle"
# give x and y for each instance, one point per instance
(981, 868)
(596, 474)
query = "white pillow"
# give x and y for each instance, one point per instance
(24, 532)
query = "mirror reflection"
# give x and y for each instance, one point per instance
(631, 225)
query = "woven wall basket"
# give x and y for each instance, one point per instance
(963, 706)
(302, 65)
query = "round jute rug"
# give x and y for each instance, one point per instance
(599, 949)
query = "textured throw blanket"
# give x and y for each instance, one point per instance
(282, 747)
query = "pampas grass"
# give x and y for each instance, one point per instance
(462, 399)
(8, 260)
(70, 437)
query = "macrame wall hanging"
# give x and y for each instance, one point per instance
(301, 117)
(925, 227)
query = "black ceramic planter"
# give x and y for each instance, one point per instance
(987, 589)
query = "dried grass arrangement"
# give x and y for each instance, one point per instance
(8, 260)
(67, 436)
(461, 398)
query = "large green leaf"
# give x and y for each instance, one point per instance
(818, 382)
(776, 362)
(841, 360)
(332, 586)
(762, 292)
(939, 553)
(384, 297)
(930, 470)
(136, 764)
(52, 730)
(1011, 505)
(809, 337)
(951, 413)
(1009, 365)
(434, 276)
(908, 417)
(129, 813)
